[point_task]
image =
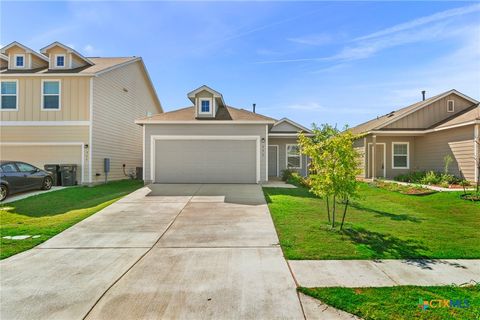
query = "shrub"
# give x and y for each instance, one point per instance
(287, 174)
(431, 178)
(412, 177)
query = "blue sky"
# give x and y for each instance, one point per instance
(335, 62)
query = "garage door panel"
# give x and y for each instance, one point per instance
(205, 161)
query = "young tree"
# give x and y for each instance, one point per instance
(334, 167)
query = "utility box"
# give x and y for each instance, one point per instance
(106, 165)
(55, 170)
(139, 173)
(69, 174)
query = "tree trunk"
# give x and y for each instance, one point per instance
(344, 214)
(333, 212)
(328, 208)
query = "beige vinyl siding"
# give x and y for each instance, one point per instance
(38, 63)
(359, 147)
(44, 134)
(431, 149)
(120, 96)
(432, 114)
(19, 143)
(282, 154)
(206, 130)
(75, 94)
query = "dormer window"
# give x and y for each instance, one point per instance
(19, 61)
(450, 106)
(204, 106)
(59, 61)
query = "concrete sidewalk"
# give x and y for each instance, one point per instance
(384, 273)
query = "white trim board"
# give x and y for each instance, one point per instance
(265, 146)
(154, 138)
(43, 123)
(299, 155)
(373, 154)
(408, 155)
(36, 144)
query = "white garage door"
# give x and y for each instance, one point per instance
(205, 161)
(39, 155)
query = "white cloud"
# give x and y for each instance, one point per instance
(89, 49)
(313, 39)
(422, 21)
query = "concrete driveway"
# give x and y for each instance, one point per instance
(162, 252)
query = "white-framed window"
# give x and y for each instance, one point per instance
(9, 95)
(19, 60)
(293, 156)
(51, 95)
(450, 105)
(60, 61)
(205, 106)
(400, 155)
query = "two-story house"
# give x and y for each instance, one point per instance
(419, 136)
(59, 107)
(212, 142)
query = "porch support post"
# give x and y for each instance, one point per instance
(374, 152)
(365, 158)
(476, 149)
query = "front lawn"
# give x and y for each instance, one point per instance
(380, 225)
(50, 213)
(404, 302)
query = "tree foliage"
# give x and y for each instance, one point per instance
(334, 165)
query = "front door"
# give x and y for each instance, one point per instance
(272, 161)
(377, 166)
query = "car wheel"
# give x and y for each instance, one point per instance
(3, 192)
(47, 183)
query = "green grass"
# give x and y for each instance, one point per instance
(50, 213)
(401, 302)
(381, 224)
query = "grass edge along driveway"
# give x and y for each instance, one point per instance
(381, 224)
(403, 302)
(50, 213)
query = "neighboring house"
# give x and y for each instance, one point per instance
(418, 137)
(211, 142)
(60, 107)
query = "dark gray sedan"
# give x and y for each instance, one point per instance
(17, 176)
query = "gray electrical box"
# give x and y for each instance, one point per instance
(106, 165)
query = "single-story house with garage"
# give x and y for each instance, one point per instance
(419, 136)
(211, 142)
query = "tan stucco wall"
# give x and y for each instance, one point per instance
(431, 149)
(75, 92)
(115, 134)
(432, 114)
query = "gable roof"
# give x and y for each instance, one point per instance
(27, 50)
(68, 49)
(470, 115)
(100, 65)
(225, 114)
(216, 94)
(293, 123)
(380, 122)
